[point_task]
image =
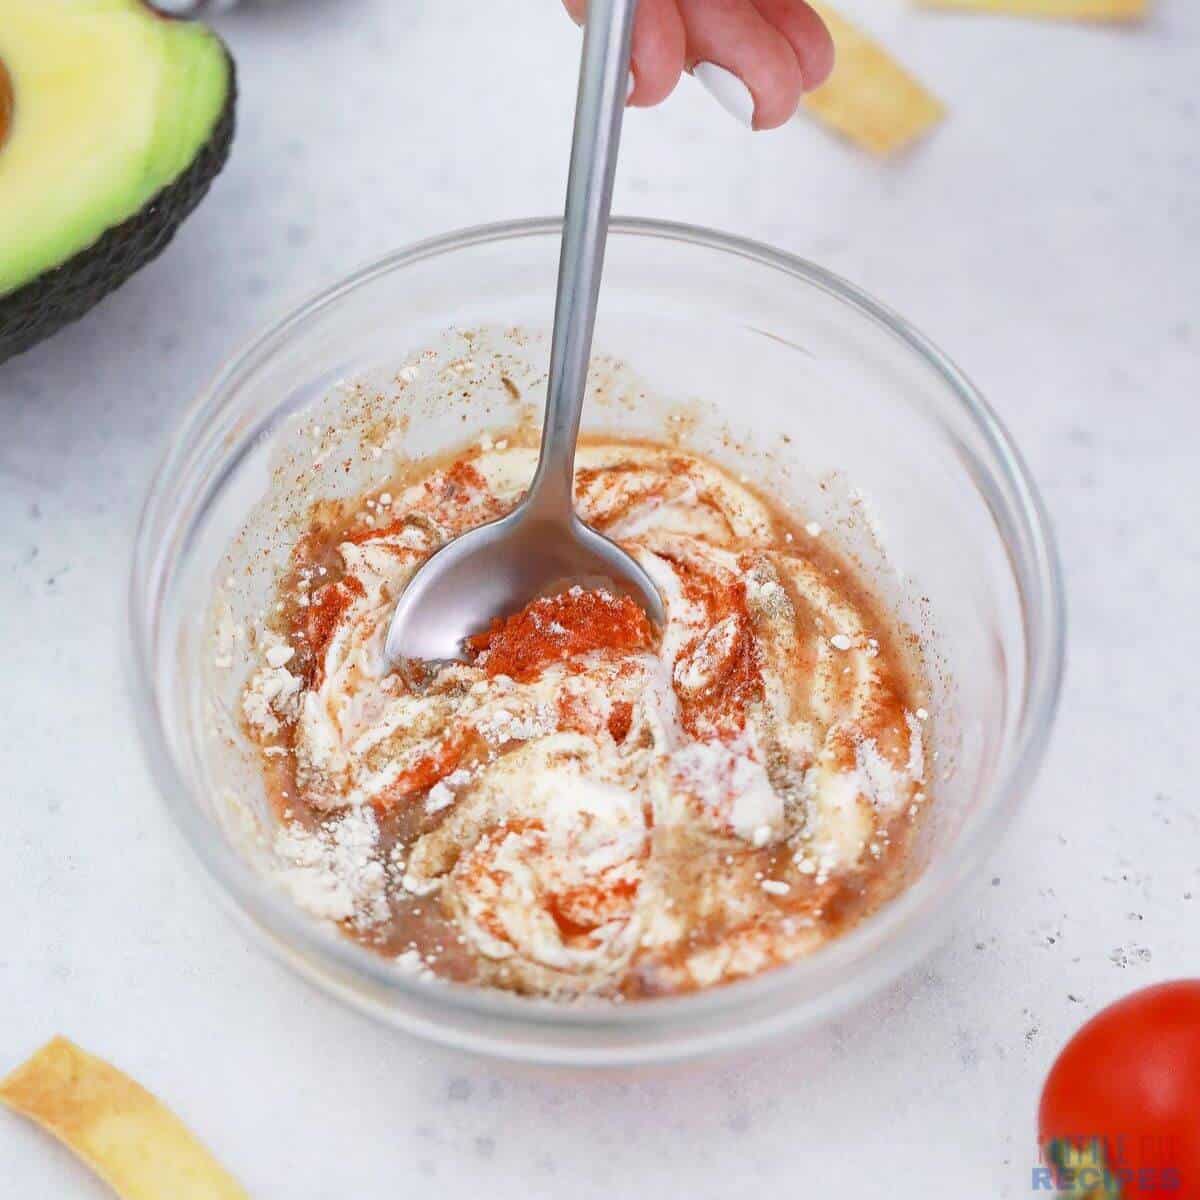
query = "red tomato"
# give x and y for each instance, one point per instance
(1130, 1079)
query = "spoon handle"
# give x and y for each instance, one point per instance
(599, 107)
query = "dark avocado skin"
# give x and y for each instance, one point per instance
(42, 307)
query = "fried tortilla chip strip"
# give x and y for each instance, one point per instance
(118, 1128)
(870, 98)
(1062, 10)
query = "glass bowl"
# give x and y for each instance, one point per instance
(868, 427)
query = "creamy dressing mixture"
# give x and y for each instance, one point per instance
(591, 806)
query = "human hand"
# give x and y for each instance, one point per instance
(756, 57)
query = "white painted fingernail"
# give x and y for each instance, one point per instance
(728, 91)
(630, 88)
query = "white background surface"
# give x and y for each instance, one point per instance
(1048, 236)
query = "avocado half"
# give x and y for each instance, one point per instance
(114, 121)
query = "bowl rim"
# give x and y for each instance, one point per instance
(858, 962)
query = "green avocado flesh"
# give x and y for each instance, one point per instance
(113, 122)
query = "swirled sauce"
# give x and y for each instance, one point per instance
(590, 805)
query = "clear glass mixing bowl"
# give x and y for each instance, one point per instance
(878, 435)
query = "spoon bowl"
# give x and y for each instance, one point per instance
(497, 569)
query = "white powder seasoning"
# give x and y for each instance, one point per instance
(500, 725)
(443, 793)
(410, 962)
(280, 656)
(272, 694)
(334, 871)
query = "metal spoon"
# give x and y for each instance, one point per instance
(542, 546)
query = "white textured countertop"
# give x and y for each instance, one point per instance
(1048, 236)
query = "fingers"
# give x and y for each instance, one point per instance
(728, 42)
(807, 35)
(757, 57)
(659, 47)
(659, 42)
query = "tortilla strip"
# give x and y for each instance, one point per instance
(1063, 10)
(870, 98)
(114, 1125)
